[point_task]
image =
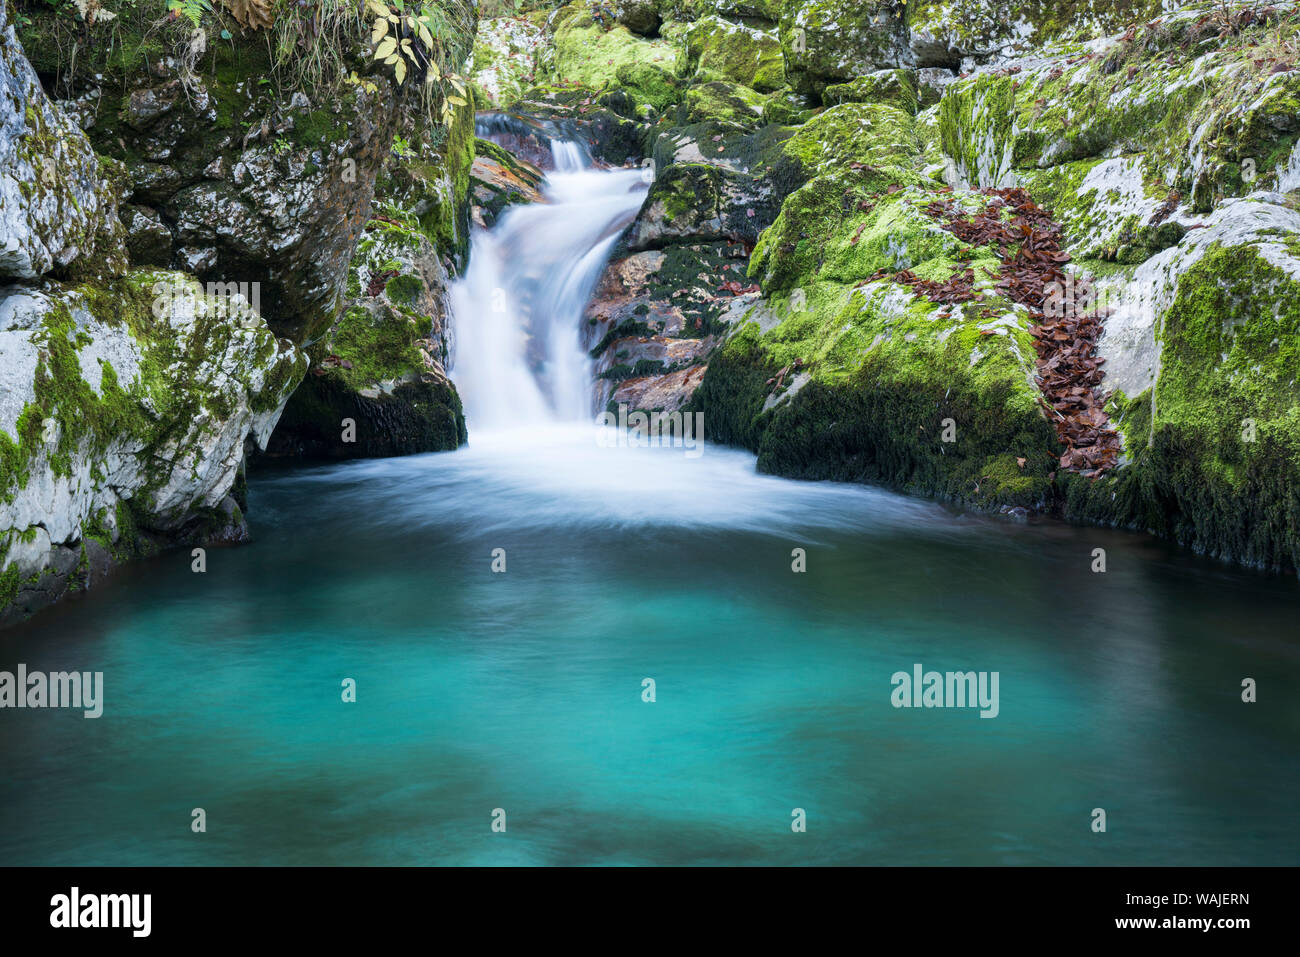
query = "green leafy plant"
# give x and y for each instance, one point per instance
(402, 148)
(417, 39)
(191, 10)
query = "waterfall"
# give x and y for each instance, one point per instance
(518, 357)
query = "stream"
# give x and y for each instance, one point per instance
(523, 689)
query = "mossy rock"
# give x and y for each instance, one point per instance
(724, 102)
(652, 84)
(718, 49)
(880, 378)
(126, 408)
(832, 41)
(382, 362)
(891, 87)
(873, 134)
(1211, 121)
(590, 50)
(946, 31)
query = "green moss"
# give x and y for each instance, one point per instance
(157, 408)
(883, 375)
(895, 88)
(283, 378)
(379, 348)
(976, 124)
(587, 53)
(1220, 468)
(728, 103)
(846, 226)
(868, 133)
(718, 49)
(1196, 111)
(1231, 352)
(10, 581)
(404, 290)
(447, 221)
(652, 84)
(317, 128)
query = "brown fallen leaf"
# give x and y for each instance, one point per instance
(252, 14)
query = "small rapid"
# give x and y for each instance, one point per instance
(518, 358)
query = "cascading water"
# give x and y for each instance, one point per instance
(518, 358)
(524, 690)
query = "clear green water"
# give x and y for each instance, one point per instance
(522, 690)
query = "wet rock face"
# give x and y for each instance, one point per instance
(701, 201)
(500, 179)
(655, 317)
(605, 122)
(57, 209)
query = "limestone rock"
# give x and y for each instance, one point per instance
(125, 408)
(57, 208)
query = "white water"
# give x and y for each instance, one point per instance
(518, 357)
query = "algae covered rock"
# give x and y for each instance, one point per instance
(882, 351)
(427, 177)
(874, 134)
(649, 83)
(124, 413)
